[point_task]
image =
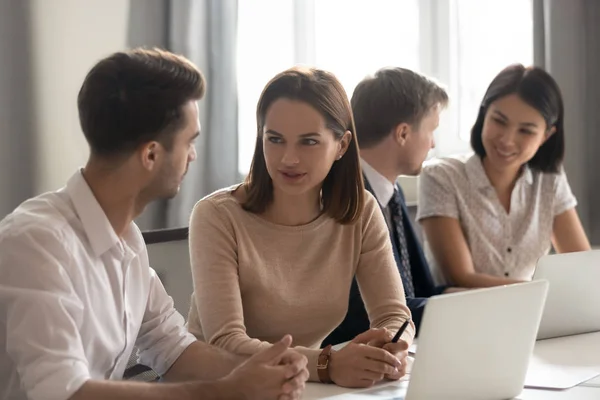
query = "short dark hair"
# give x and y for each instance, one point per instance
(538, 89)
(343, 188)
(391, 97)
(136, 96)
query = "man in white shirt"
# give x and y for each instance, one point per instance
(76, 290)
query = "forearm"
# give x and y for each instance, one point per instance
(201, 361)
(122, 390)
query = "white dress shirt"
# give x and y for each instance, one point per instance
(502, 244)
(383, 190)
(75, 298)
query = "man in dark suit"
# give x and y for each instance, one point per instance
(396, 112)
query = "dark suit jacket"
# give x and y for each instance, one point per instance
(357, 320)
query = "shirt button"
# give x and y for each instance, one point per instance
(509, 249)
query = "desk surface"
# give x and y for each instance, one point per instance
(397, 391)
(589, 390)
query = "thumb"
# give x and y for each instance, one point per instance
(273, 354)
(401, 345)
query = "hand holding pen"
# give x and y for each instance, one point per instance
(399, 348)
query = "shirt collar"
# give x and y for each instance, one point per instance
(478, 177)
(97, 227)
(383, 189)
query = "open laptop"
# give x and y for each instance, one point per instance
(477, 344)
(573, 303)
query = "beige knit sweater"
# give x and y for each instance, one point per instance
(255, 281)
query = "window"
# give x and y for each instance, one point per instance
(265, 47)
(461, 43)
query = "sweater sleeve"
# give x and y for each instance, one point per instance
(217, 294)
(377, 275)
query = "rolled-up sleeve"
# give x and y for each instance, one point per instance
(162, 337)
(564, 199)
(40, 313)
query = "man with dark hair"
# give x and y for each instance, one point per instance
(77, 293)
(395, 112)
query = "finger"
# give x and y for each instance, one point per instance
(377, 354)
(379, 367)
(399, 374)
(292, 370)
(382, 339)
(402, 369)
(401, 345)
(395, 348)
(295, 383)
(300, 374)
(295, 361)
(297, 394)
(394, 377)
(371, 375)
(366, 383)
(274, 353)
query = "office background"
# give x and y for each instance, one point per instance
(47, 46)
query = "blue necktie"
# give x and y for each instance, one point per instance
(405, 272)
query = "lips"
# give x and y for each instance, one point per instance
(504, 153)
(292, 175)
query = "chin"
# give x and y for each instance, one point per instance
(168, 195)
(294, 190)
(416, 171)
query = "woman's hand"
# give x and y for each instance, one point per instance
(364, 362)
(381, 337)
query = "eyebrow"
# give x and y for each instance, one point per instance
(504, 117)
(304, 135)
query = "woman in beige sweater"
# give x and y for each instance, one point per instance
(277, 254)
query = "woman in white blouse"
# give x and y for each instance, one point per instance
(488, 218)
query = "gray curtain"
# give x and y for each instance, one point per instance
(205, 32)
(17, 152)
(567, 44)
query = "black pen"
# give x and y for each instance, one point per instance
(400, 331)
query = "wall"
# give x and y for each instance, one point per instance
(16, 128)
(67, 38)
(566, 60)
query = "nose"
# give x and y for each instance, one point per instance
(290, 156)
(433, 143)
(192, 156)
(507, 137)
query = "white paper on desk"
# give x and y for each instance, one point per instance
(565, 362)
(592, 382)
(412, 349)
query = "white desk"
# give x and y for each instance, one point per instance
(589, 390)
(397, 391)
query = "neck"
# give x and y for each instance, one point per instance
(113, 189)
(381, 162)
(503, 180)
(294, 210)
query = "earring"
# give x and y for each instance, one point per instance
(339, 157)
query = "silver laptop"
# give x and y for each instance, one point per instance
(573, 303)
(477, 344)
